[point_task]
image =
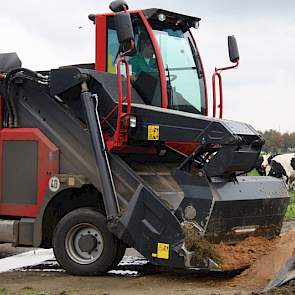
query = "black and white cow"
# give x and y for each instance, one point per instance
(263, 164)
(280, 166)
(283, 166)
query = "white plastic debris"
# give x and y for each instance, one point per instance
(26, 259)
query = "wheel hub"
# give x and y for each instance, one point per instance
(87, 243)
(84, 243)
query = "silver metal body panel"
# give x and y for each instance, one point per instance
(8, 231)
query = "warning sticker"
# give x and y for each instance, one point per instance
(54, 184)
(162, 251)
(71, 181)
(153, 132)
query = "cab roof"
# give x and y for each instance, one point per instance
(154, 12)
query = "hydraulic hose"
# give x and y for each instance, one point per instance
(13, 117)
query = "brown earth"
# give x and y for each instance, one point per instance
(265, 256)
(243, 254)
(288, 289)
(34, 283)
(265, 268)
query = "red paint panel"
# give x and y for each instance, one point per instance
(112, 14)
(48, 165)
(159, 59)
(100, 43)
(185, 148)
(1, 110)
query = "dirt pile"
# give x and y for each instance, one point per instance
(266, 267)
(287, 289)
(229, 257)
(243, 254)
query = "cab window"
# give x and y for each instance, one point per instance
(142, 61)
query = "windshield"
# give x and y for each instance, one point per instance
(185, 83)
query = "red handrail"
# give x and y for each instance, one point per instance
(121, 99)
(217, 74)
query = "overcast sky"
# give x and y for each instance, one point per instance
(47, 34)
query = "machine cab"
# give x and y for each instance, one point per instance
(165, 66)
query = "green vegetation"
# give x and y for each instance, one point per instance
(291, 208)
(253, 173)
(277, 142)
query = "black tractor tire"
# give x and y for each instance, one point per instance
(82, 243)
(121, 249)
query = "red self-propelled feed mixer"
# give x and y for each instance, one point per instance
(122, 153)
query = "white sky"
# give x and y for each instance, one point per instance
(46, 34)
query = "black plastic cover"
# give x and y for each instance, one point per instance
(118, 5)
(9, 61)
(233, 50)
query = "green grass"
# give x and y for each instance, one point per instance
(291, 208)
(253, 173)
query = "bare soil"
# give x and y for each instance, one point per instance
(288, 289)
(265, 268)
(264, 257)
(160, 284)
(245, 253)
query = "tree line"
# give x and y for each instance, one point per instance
(277, 142)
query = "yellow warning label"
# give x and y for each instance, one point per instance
(162, 251)
(153, 132)
(71, 181)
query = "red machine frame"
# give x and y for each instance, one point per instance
(46, 168)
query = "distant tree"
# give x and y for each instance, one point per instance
(290, 142)
(276, 142)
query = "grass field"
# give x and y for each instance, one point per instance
(291, 208)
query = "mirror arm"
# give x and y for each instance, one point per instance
(132, 45)
(217, 74)
(227, 68)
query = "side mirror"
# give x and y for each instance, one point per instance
(123, 24)
(233, 50)
(124, 28)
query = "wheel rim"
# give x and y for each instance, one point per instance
(84, 243)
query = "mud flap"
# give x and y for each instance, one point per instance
(285, 274)
(152, 229)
